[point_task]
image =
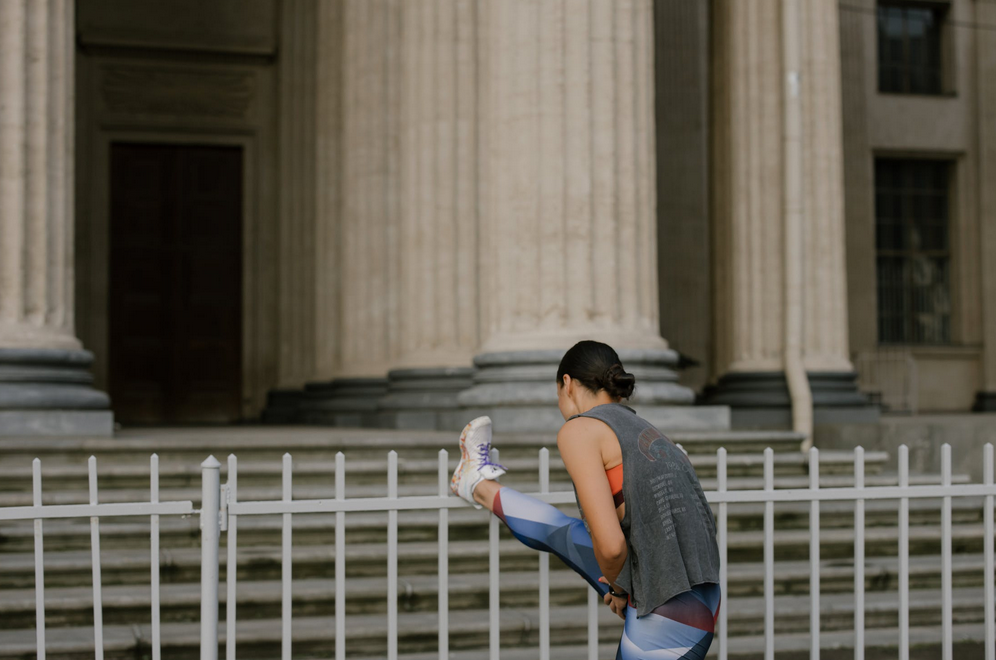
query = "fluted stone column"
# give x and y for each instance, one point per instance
(986, 14)
(436, 214)
(567, 198)
(328, 187)
(297, 81)
(45, 382)
(364, 240)
(749, 197)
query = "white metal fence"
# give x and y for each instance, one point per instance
(95, 511)
(221, 510)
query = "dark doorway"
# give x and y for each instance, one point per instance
(175, 336)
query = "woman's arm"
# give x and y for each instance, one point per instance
(581, 453)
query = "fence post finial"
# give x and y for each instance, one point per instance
(210, 531)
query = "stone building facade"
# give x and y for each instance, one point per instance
(402, 212)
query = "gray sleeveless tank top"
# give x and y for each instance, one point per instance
(669, 527)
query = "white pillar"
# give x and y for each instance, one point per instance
(356, 238)
(568, 229)
(748, 206)
(367, 241)
(747, 186)
(568, 247)
(36, 175)
(437, 209)
(37, 332)
(435, 214)
(825, 340)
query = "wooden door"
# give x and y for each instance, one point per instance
(175, 336)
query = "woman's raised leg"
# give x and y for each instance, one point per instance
(543, 527)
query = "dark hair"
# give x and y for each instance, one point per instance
(596, 366)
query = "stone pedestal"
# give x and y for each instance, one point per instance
(343, 402)
(49, 391)
(425, 398)
(761, 399)
(518, 390)
(45, 383)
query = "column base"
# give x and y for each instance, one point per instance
(424, 398)
(518, 390)
(985, 402)
(47, 391)
(282, 407)
(343, 402)
(762, 400)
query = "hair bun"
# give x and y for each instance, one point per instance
(596, 366)
(618, 382)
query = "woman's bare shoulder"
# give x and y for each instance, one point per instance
(581, 427)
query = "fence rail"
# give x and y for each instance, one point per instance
(95, 511)
(221, 510)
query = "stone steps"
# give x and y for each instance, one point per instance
(523, 483)
(271, 442)
(15, 476)
(464, 523)
(258, 599)
(880, 644)
(314, 636)
(130, 565)
(123, 469)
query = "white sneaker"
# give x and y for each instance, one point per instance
(475, 460)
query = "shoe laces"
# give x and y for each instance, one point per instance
(484, 455)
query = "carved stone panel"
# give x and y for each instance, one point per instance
(178, 92)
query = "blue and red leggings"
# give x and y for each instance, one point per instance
(680, 629)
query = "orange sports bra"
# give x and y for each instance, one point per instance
(615, 476)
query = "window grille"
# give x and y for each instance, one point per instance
(909, 49)
(912, 251)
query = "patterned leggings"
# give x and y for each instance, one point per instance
(680, 629)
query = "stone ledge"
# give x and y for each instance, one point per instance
(14, 423)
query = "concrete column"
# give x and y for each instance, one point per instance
(328, 193)
(436, 213)
(45, 383)
(357, 235)
(297, 82)
(749, 205)
(437, 220)
(567, 199)
(396, 167)
(986, 71)
(366, 254)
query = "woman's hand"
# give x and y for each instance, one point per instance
(616, 603)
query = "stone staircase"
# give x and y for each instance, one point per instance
(123, 470)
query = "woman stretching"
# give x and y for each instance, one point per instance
(646, 540)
